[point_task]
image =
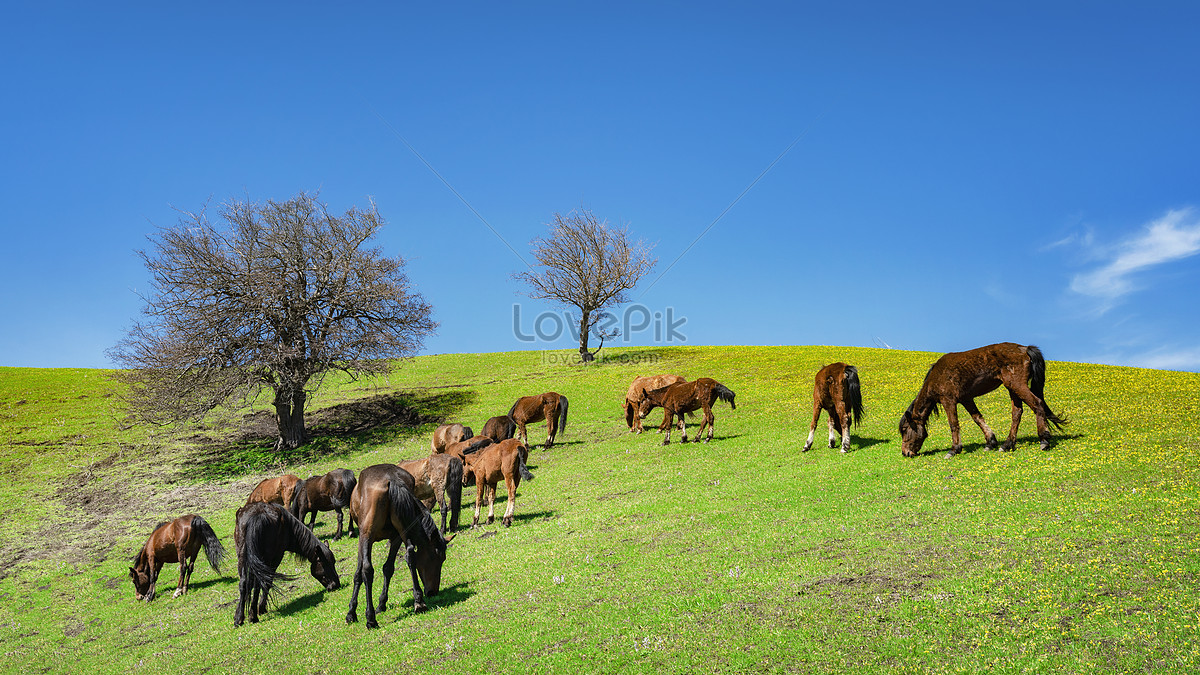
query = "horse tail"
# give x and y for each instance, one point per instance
(1037, 383)
(256, 537)
(347, 485)
(513, 410)
(725, 394)
(562, 412)
(299, 499)
(521, 468)
(409, 516)
(454, 488)
(212, 545)
(854, 391)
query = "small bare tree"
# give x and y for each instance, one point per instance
(285, 294)
(586, 264)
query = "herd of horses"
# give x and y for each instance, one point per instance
(393, 502)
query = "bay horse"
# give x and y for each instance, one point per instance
(174, 541)
(633, 399)
(499, 428)
(439, 478)
(685, 397)
(550, 406)
(463, 448)
(275, 490)
(263, 533)
(837, 391)
(447, 434)
(502, 461)
(958, 377)
(385, 508)
(330, 492)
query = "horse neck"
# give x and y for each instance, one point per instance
(300, 540)
(924, 404)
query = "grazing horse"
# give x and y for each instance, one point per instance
(275, 490)
(330, 492)
(385, 508)
(502, 461)
(837, 392)
(685, 397)
(633, 399)
(463, 448)
(263, 533)
(549, 406)
(957, 378)
(499, 428)
(447, 434)
(174, 541)
(439, 477)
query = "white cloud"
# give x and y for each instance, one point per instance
(1182, 359)
(1173, 237)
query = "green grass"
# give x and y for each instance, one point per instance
(738, 555)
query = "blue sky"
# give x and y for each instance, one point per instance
(960, 175)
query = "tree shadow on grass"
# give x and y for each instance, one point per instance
(337, 431)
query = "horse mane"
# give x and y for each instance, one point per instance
(306, 543)
(413, 512)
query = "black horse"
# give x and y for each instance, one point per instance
(385, 508)
(263, 532)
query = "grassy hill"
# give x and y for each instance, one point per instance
(738, 555)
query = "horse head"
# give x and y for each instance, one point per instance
(650, 401)
(912, 433)
(142, 579)
(427, 559)
(324, 568)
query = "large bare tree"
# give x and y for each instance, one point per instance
(283, 294)
(585, 263)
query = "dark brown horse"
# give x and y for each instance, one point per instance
(836, 390)
(499, 428)
(501, 461)
(549, 406)
(439, 478)
(174, 541)
(463, 448)
(385, 508)
(447, 434)
(275, 490)
(633, 399)
(957, 378)
(330, 492)
(263, 533)
(684, 397)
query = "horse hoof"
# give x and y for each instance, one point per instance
(1045, 445)
(666, 442)
(419, 607)
(177, 593)
(507, 522)
(491, 519)
(950, 453)
(351, 617)
(372, 624)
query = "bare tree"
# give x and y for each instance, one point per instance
(587, 264)
(287, 293)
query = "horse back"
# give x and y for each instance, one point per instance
(370, 503)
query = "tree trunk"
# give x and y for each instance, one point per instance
(583, 337)
(289, 413)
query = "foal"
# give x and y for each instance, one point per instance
(957, 378)
(633, 399)
(275, 490)
(836, 391)
(502, 461)
(330, 492)
(447, 434)
(438, 478)
(685, 397)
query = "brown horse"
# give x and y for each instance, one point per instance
(385, 508)
(275, 491)
(447, 434)
(685, 397)
(439, 478)
(263, 533)
(499, 428)
(502, 461)
(836, 390)
(174, 541)
(957, 378)
(633, 399)
(330, 492)
(549, 406)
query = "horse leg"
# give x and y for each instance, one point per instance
(491, 493)
(338, 535)
(973, 411)
(666, 423)
(480, 488)
(439, 494)
(239, 613)
(156, 566)
(812, 428)
(951, 407)
(510, 483)
(388, 568)
(844, 418)
(682, 429)
(418, 598)
(551, 413)
(1017, 409)
(1039, 410)
(362, 573)
(706, 422)
(832, 430)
